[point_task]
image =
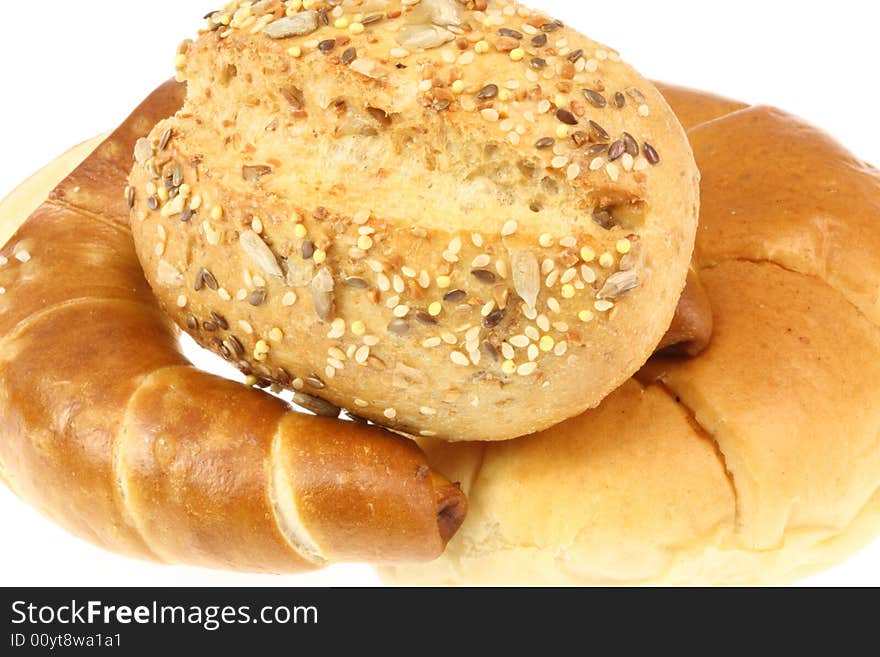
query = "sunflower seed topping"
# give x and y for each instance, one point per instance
(260, 253)
(619, 284)
(423, 37)
(322, 294)
(316, 405)
(166, 137)
(253, 172)
(304, 22)
(526, 275)
(143, 151)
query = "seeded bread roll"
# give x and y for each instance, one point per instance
(756, 462)
(107, 429)
(456, 219)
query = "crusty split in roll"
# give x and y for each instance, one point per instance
(106, 427)
(457, 219)
(756, 462)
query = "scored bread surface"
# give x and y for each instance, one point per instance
(456, 219)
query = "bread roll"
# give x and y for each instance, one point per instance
(756, 462)
(456, 219)
(106, 428)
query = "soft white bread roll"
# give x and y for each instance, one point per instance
(756, 462)
(456, 219)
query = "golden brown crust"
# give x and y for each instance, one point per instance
(444, 236)
(106, 428)
(694, 108)
(757, 461)
(691, 328)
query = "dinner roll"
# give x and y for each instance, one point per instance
(756, 462)
(456, 219)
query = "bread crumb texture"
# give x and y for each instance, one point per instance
(454, 218)
(756, 462)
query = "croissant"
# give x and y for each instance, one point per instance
(106, 427)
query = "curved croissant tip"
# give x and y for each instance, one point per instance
(451, 506)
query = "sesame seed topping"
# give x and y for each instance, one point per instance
(613, 171)
(337, 328)
(527, 369)
(509, 228)
(460, 359)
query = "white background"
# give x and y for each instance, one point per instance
(71, 70)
